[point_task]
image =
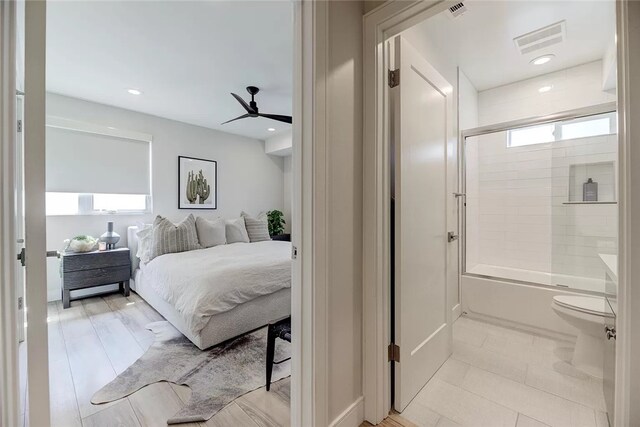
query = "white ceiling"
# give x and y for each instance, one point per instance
(481, 40)
(186, 57)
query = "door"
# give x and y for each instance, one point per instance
(421, 123)
(25, 388)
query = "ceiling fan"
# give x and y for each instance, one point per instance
(252, 108)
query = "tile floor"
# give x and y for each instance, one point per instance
(498, 376)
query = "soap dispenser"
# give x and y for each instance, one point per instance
(590, 191)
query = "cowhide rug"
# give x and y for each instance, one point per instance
(216, 376)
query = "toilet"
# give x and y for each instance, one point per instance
(587, 314)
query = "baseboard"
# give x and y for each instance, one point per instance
(353, 416)
(456, 311)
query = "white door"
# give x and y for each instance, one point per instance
(23, 217)
(421, 118)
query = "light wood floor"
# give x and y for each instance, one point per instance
(98, 338)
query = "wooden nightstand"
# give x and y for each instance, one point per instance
(97, 268)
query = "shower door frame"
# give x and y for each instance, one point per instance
(577, 113)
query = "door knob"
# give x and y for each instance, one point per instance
(451, 236)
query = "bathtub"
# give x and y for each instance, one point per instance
(502, 295)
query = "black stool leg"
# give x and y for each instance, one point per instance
(271, 346)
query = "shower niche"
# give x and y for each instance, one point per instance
(592, 183)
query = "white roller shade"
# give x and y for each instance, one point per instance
(86, 162)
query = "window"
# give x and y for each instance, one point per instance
(583, 127)
(531, 135)
(62, 203)
(93, 204)
(93, 169)
(119, 202)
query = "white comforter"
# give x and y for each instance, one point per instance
(205, 282)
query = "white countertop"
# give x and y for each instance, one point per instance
(611, 263)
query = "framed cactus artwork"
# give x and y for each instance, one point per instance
(197, 183)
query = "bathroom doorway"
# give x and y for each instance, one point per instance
(534, 235)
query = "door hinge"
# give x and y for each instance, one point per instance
(22, 257)
(19, 125)
(20, 303)
(394, 353)
(394, 77)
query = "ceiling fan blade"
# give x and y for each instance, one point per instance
(278, 117)
(244, 116)
(244, 104)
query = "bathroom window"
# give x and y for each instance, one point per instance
(583, 127)
(531, 135)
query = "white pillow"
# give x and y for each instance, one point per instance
(236, 231)
(145, 239)
(257, 228)
(211, 232)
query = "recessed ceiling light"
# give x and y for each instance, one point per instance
(542, 59)
(134, 92)
(271, 130)
(544, 89)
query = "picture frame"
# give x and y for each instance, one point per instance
(197, 183)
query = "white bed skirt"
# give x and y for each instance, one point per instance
(221, 327)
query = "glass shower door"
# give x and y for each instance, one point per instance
(585, 211)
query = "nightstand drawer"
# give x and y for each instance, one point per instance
(96, 277)
(95, 260)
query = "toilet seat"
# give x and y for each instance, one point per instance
(585, 304)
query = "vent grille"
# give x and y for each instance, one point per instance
(541, 38)
(457, 10)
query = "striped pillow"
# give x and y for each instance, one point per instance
(257, 228)
(170, 238)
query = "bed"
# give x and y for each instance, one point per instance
(214, 294)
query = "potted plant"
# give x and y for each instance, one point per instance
(276, 223)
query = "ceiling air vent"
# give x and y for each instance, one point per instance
(457, 10)
(541, 38)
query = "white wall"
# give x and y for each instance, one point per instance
(467, 102)
(572, 88)
(287, 193)
(516, 216)
(343, 209)
(282, 145)
(248, 179)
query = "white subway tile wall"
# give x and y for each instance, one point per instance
(517, 212)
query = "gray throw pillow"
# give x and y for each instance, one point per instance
(211, 232)
(170, 238)
(257, 228)
(236, 231)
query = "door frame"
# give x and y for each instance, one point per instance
(380, 24)
(309, 310)
(9, 377)
(35, 225)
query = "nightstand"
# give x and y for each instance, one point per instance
(96, 268)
